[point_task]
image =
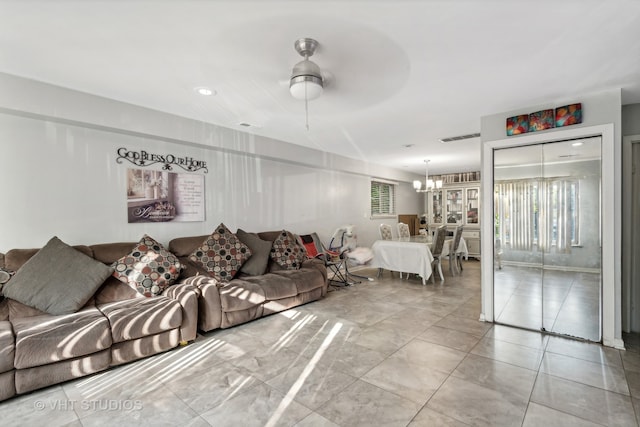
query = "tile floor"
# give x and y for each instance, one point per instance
(385, 353)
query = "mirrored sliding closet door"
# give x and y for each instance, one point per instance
(547, 237)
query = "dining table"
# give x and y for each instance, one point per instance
(411, 254)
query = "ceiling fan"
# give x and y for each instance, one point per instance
(307, 81)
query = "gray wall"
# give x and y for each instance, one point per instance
(60, 176)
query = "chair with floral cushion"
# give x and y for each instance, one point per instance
(403, 230)
(385, 232)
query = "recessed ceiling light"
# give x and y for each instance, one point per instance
(577, 144)
(205, 91)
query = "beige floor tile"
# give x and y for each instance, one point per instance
(590, 373)
(512, 381)
(433, 356)
(462, 341)
(381, 340)
(591, 403)
(208, 388)
(416, 382)
(541, 416)
(258, 406)
(525, 357)
(523, 337)
(476, 405)
(50, 407)
(429, 418)
(315, 420)
(363, 404)
(310, 383)
(585, 351)
(352, 359)
(462, 324)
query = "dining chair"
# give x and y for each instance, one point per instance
(455, 259)
(436, 252)
(403, 230)
(385, 232)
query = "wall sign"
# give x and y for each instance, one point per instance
(143, 158)
(160, 196)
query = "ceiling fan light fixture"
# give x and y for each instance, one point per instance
(306, 81)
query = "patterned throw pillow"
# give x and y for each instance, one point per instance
(287, 252)
(221, 254)
(149, 268)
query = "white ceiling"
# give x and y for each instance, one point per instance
(402, 72)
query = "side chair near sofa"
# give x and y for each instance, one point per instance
(335, 261)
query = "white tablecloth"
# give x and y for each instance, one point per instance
(410, 255)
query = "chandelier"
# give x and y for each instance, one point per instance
(429, 184)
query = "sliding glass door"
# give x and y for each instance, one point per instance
(547, 237)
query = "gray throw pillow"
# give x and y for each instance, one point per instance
(256, 265)
(57, 280)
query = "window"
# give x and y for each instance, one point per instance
(383, 199)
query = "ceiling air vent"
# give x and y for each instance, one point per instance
(459, 138)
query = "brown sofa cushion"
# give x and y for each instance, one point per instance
(136, 318)
(58, 279)
(260, 251)
(306, 279)
(183, 246)
(274, 286)
(107, 253)
(240, 295)
(41, 340)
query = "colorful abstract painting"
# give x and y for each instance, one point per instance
(517, 124)
(569, 115)
(541, 120)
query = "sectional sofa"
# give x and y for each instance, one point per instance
(119, 324)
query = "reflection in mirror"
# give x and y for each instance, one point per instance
(518, 277)
(547, 237)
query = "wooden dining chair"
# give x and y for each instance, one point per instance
(455, 259)
(436, 252)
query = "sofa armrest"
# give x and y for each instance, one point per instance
(187, 296)
(209, 305)
(316, 263)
